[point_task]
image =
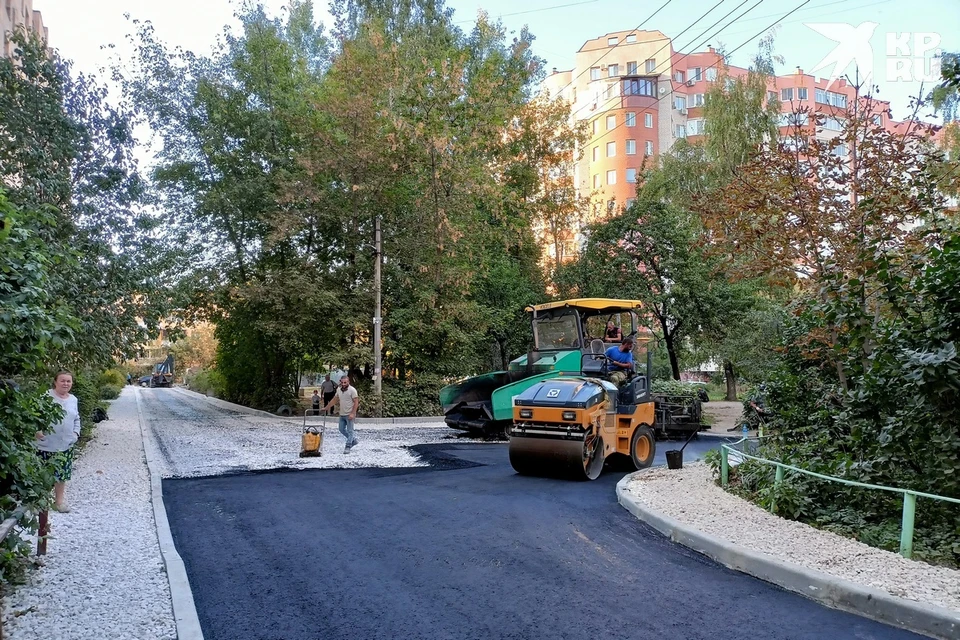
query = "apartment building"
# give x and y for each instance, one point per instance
(17, 13)
(640, 97)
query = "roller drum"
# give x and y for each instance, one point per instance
(554, 457)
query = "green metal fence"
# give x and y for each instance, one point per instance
(909, 497)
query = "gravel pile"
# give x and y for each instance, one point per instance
(691, 497)
(192, 438)
(103, 575)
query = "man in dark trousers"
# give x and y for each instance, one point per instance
(328, 389)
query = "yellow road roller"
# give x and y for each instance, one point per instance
(571, 424)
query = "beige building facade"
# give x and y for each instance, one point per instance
(19, 13)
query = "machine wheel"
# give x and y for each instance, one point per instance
(643, 447)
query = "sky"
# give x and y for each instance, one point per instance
(895, 46)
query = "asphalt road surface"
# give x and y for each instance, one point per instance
(465, 549)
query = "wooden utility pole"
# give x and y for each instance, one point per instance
(377, 369)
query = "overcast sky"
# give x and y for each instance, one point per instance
(80, 29)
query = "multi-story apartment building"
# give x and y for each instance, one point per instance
(640, 97)
(18, 13)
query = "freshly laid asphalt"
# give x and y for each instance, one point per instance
(465, 549)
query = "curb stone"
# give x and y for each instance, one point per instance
(223, 404)
(181, 595)
(930, 620)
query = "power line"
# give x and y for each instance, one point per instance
(520, 13)
(743, 44)
(637, 28)
(722, 18)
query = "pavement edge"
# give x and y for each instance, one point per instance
(181, 595)
(930, 620)
(223, 404)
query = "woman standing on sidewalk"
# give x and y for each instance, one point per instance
(56, 446)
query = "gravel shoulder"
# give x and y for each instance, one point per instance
(103, 575)
(691, 497)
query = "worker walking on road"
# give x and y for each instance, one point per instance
(348, 400)
(327, 388)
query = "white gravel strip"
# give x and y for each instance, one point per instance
(193, 437)
(691, 496)
(103, 575)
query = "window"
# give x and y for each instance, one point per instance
(771, 96)
(610, 91)
(648, 120)
(833, 124)
(831, 98)
(877, 120)
(711, 74)
(612, 42)
(840, 151)
(640, 87)
(729, 83)
(695, 127)
(696, 100)
(801, 93)
(594, 73)
(611, 149)
(595, 126)
(631, 176)
(679, 102)
(613, 70)
(648, 147)
(678, 76)
(631, 147)
(631, 38)
(650, 65)
(629, 202)
(596, 181)
(596, 153)
(786, 95)
(631, 68)
(611, 122)
(792, 119)
(612, 176)
(694, 74)
(631, 119)
(679, 131)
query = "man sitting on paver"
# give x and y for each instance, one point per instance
(348, 401)
(620, 361)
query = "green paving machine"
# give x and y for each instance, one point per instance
(563, 332)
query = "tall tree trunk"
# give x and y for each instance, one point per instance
(731, 380)
(672, 353)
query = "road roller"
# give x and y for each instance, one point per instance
(568, 426)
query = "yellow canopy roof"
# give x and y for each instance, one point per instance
(589, 304)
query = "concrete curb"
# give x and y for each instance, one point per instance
(223, 404)
(181, 595)
(930, 620)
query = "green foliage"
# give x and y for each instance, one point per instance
(89, 399)
(113, 377)
(109, 392)
(412, 397)
(208, 382)
(24, 479)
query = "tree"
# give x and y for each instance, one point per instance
(651, 253)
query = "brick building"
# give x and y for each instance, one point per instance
(17, 13)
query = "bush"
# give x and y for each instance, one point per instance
(209, 382)
(419, 396)
(112, 377)
(25, 479)
(88, 401)
(109, 392)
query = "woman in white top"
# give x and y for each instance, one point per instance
(56, 444)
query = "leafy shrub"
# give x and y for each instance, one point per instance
(401, 398)
(109, 392)
(209, 382)
(112, 377)
(88, 400)
(25, 479)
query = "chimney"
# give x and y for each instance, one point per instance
(555, 69)
(710, 48)
(799, 71)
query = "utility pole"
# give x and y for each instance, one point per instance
(378, 259)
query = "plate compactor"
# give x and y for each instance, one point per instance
(311, 440)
